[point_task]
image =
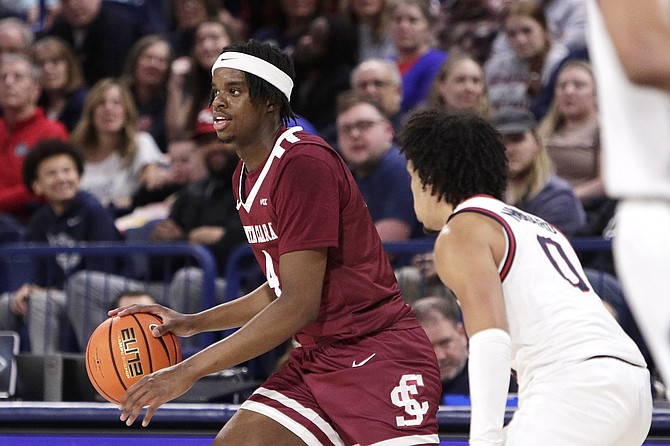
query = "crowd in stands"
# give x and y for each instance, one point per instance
(105, 130)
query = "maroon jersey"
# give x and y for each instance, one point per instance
(304, 197)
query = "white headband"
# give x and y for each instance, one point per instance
(254, 65)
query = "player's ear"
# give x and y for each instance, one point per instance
(270, 106)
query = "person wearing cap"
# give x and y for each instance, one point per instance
(531, 184)
(365, 371)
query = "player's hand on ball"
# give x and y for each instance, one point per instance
(151, 392)
(173, 321)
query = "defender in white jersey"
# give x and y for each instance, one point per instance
(526, 301)
(628, 43)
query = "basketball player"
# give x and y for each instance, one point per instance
(629, 47)
(365, 372)
(526, 302)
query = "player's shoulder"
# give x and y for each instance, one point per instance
(307, 146)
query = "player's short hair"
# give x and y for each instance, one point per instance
(260, 89)
(43, 150)
(456, 154)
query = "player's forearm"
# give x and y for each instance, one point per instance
(489, 375)
(267, 330)
(235, 313)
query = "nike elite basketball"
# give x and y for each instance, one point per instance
(122, 350)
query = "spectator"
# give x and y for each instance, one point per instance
(412, 23)
(64, 88)
(293, 18)
(100, 34)
(571, 132)
(15, 36)
(325, 56)
(566, 22)
(185, 166)
(521, 77)
(372, 21)
(190, 80)
(52, 170)
(146, 75)
(185, 18)
(531, 185)
(365, 140)
(118, 158)
(441, 320)
(381, 81)
(22, 125)
(459, 86)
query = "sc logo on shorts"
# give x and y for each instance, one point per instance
(402, 396)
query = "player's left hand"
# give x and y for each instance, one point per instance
(153, 391)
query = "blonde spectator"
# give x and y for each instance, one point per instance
(571, 131)
(460, 86)
(118, 158)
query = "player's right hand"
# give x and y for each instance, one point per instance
(173, 321)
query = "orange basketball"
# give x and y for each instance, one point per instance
(122, 350)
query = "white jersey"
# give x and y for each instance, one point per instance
(555, 318)
(635, 121)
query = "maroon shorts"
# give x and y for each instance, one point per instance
(372, 389)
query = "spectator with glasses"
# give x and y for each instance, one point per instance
(380, 80)
(365, 140)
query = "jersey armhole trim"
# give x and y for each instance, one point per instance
(506, 265)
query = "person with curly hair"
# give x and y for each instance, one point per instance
(527, 304)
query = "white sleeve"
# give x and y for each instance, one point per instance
(489, 374)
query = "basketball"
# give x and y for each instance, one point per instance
(122, 350)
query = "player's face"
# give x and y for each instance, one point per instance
(525, 35)
(363, 135)
(426, 208)
(463, 87)
(236, 118)
(57, 179)
(450, 345)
